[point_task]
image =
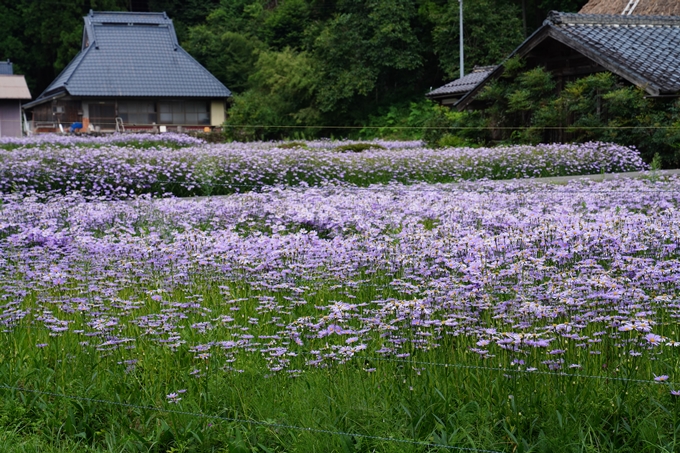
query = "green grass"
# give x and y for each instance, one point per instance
(467, 404)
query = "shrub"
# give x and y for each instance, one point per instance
(358, 147)
(292, 145)
(524, 108)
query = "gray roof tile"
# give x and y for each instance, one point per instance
(642, 49)
(134, 54)
(114, 17)
(464, 84)
(648, 46)
(6, 68)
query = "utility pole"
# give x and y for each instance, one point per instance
(462, 52)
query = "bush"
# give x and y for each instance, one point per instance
(522, 107)
(292, 145)
(358, 147)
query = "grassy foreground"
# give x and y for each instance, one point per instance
(344, 409)
(484, 317)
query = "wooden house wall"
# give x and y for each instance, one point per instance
(46, 113)
(563, 62)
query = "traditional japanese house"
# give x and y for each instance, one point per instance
(644, 50)
(13, 90)
(130, 74)
(636, 39)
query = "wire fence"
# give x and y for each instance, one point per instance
(244, 421)
(348, 434)
(199, 127)
(528, 371)
(412, 361)
(467, 128)
(423, 186)
(330, 432)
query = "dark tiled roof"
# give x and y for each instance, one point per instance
(464, 84)
(645, 47)
(645, 50)
(134, 54)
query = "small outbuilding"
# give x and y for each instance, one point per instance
(130, 74)
(640, 48)
(13, 90)
(452, 92)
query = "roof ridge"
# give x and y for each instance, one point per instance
(142, 13)
(117, 17)
(559, 18)
(486, 68)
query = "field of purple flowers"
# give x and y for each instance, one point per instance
(119, 166)
(473, 317)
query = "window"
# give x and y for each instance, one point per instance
(137, 112)
(184, 112)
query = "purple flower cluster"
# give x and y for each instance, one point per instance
(522, 274)
(54, 140)
(122, 171)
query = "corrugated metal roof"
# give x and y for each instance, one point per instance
(14, 87)
(134, 55)
(464, 84)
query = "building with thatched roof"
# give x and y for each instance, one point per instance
(630, 7)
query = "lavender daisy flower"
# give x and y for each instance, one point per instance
(173, 398)
(653, 339)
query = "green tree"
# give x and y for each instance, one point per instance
(185, 13)
(281, 95)
(229, 56)
(492, 29)
(286, 25)
(42, 37)
(367, 52)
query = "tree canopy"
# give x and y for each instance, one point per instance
(292, 62)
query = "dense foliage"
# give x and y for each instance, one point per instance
(296, 62)
(525, 106)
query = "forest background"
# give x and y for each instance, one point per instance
(297, 62)
(361, 68)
